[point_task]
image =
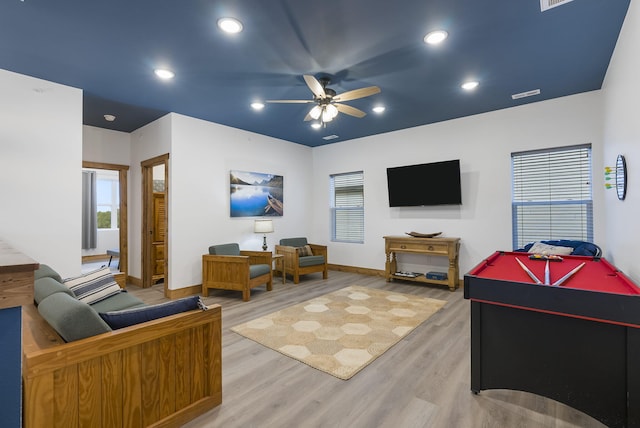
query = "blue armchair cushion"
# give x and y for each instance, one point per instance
(257, 270)
(225, 250)
(311, 261)
(294, 242)
(133, 316)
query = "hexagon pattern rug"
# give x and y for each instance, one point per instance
(342, 332)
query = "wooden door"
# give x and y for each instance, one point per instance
(157, 244)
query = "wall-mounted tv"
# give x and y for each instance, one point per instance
(436, 183)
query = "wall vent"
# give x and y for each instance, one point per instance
(526, 94)
(550, 4)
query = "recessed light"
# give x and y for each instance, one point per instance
(316, 125)
(230, 25)
(379, 109)
(163, 73)
(109, 117)
(257, 105)
(435, 37)
(469, 85)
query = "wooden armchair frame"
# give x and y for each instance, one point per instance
(232, 272)
(292, 261)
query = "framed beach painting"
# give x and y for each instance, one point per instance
(255, 194)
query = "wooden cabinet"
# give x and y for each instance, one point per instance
(159, 230)
(445, 247)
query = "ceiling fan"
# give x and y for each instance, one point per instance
(328, 103)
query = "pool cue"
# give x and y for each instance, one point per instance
(567, 276)
(547, 275)
(526, 269)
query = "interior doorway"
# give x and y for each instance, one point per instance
(121, 217)
(155, 217)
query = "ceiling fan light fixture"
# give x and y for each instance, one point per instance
(379, 109)
(230, 25)
(436, 37)
(316, 125)
(315, 112)
(331, 110)
(257, 105)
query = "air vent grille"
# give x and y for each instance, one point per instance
(550, 4)
(330, 137)
(525, 94)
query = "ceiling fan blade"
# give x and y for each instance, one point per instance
(357, 93)
(315, 86)
(351, 111)
(290, 101)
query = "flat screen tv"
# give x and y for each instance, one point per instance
(436, 183)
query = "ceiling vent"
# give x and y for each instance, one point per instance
(525, 94)
(330, 137)
(550, 4)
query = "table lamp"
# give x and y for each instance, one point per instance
(264, 227)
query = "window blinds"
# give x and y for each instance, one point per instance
(347, 206)
(552, 195)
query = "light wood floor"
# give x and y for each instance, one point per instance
(423, 381)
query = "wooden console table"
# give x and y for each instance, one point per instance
(445, 247)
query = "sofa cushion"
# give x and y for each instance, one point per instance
(257, 270)
(128, 317)
(93, 286)
(45, 286)
(71, 318)
(225, 250)
(45, 271)
(294, 242)
(117, 302)
(311, 261)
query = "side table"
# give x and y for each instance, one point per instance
(279, 266)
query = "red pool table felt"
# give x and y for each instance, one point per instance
(596, 275)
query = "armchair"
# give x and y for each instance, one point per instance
(228, 268)
(297, 262)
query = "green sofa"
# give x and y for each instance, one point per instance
(70, 317)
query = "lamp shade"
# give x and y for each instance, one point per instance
(263, 226)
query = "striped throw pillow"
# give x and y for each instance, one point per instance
(93, 286)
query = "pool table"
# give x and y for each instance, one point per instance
(577, 343)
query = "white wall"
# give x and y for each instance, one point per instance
(202, 154)
(40, 170)
(621, 92)
(106, 146)
(147, 142)
(483, 143)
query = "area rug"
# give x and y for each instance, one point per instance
(341, 332)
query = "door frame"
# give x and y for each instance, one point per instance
(123, 262)
(147, 220)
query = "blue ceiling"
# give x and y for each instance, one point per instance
(110, 49)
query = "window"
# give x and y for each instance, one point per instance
(347, 207)
(552, 196)
(108, 199)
